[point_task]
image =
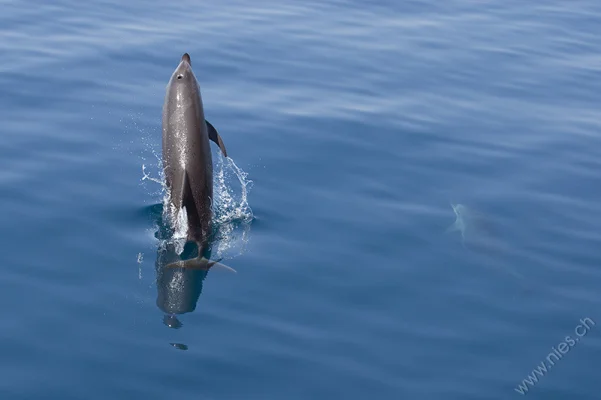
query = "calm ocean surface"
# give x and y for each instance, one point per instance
(356, 131)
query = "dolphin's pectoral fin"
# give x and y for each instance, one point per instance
(214, 136)
(199, 263)
(220, 265)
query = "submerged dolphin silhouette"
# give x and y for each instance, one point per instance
(476, 229)
(460, 223)
(481, 233)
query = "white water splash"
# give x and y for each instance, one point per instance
(180, 225)
(146, 176)
(228, 205)
(140, 259)
(232, 214)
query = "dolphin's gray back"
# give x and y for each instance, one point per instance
(187, 160)
(178, 289)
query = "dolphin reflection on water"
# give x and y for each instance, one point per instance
(178, 288)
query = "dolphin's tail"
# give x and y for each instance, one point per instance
(199, 263)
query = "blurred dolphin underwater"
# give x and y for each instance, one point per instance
(482, 234)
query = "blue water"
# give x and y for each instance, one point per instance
(357, 129)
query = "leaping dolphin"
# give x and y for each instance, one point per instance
(187, 160)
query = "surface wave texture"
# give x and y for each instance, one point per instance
(362, 126)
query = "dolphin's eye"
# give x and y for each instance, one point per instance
(180, 76)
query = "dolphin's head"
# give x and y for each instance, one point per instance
(183, 78)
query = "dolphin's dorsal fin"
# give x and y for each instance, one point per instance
(214, 136)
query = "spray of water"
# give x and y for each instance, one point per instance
(232, 214)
